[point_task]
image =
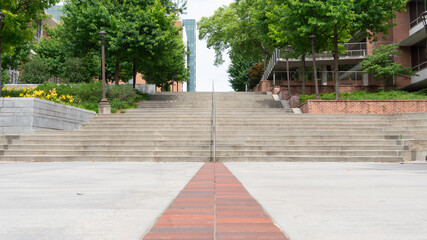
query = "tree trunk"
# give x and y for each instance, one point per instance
(134, 73)
(117, 69)
(303, 74)
(336, 66)
(265, 50)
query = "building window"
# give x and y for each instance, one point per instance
(39, 31)
(415, 10)
(418, 56)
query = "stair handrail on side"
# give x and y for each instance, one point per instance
(213, 123)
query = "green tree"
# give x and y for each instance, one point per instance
(382, 66)
(332, 21)
(20, 23)
(137, 31)
(240, 27)
(238, 72)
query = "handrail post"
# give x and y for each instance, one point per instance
(213, 124)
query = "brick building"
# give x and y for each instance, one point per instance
(409, 34)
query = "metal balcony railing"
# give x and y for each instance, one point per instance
(415, 22)
(419, 67)
(352, 50)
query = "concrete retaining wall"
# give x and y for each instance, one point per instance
(146, 88)
(364, 106)
(24, 115)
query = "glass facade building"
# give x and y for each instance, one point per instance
(189, 26)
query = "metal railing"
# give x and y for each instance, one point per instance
(419, 67)
(213, 124)
(351, 78)
(415, 22)
(352, 50)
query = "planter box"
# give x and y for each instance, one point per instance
(24, 115)
(364, 106)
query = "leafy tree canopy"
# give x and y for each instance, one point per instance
(20, 21)
(382, 66)
(239, 27)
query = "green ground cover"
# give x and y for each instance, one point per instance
(82, 95)
(362, 95)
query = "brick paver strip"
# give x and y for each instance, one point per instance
(214, 205)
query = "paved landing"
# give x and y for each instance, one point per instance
(123, 201)
(86, 201)
(215, 205)
(341, 201)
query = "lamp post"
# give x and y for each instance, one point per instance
(2, 16)
(287, 51)
(104, 107)
(313, 52)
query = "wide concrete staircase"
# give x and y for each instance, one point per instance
(265, 132)
(249, 127)
(170, 127)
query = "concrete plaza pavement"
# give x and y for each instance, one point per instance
(341, 201)
(86, 201)
(121, 201)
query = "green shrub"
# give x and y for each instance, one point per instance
(36, 71)
(361, 95)
(79, 70)
(122, 92)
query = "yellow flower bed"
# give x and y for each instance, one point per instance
(51, 95)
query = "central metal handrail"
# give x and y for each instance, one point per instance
(213, 124)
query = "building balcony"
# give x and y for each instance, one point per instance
(354, 54)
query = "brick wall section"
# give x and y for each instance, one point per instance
(364, 106)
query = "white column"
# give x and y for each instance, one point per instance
(365, 79)
(324, 75)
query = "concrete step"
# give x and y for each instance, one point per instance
(310, 159)
(313, 136)
(118, 137)
(118, 158)
(98, 147)
(307, 152)
(309, 147)
(61, 152)
(116, 142)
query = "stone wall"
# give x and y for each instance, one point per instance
(24, 115)
(364, 106)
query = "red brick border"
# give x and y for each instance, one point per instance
(364, 106)
(215, 205)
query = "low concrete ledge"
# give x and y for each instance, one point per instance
(24, 115)
(364, 106)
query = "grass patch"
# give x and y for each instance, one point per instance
(362, 95)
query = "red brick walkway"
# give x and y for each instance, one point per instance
(214, 205)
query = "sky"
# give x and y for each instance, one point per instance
(206, 72)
